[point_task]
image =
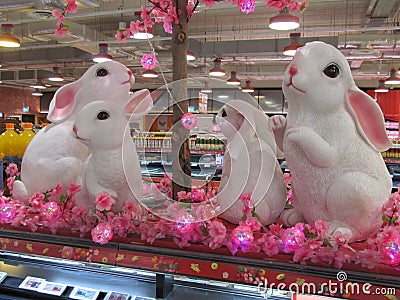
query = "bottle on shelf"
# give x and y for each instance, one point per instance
(9, 144)
(24, 139)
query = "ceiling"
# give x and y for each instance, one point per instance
(365, 30)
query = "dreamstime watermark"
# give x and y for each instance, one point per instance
(332, 287)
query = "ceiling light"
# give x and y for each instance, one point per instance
(206, 89)
(217, 70)
(393, 79)
(102, 56)
(290, 50)
(284, 21)
(143, 34)
(37, 93)
(150, 74)
(381, 87)
(38, 85)
(233, 80)
(190, 56)
(7, 39)
(248, 88)
(56, 76)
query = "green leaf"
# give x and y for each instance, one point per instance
(244, 218)
(393, 219)
(309, 235)
(46, 197)
(385, 219)
(67, 26)
(327, 243)
(63, 198)
(204, 230)
(255, 215)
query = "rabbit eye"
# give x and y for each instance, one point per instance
(103, 115)
(223, 113)
(332, 71)
(101, 72)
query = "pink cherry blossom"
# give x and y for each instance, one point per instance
(61, 29)
(57, 14)
(10, 183)
(12, 170)
(72, 7)
(120, 36)
(73, 189)
(269, 244)
(321, 227)
(36, 201)
(287, 178)
(104, 201)
(252, 222)
(302, 254)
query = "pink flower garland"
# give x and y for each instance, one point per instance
(308, 243)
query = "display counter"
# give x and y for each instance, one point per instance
(118, 263)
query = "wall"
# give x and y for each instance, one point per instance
(12, 99)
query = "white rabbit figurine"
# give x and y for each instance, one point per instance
(250, 164)
(332, 139)
(54, 155)
(113, 165)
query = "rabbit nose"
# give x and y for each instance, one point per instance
(75, 129)
(293, 70)
(129, 73)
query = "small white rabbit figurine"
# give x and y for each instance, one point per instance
(250, 164)
(332, 139)
(113, 165)
(54, 155)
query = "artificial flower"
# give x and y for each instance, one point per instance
(104, 201)
(12, 170)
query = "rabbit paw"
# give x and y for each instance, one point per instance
(300, 133)
(277, 122)
(291, 217)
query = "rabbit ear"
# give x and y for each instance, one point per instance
(369, 119)
(63, 103)
(139, 104)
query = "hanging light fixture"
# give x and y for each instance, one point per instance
(38, 85)
(56, 76)
(190, 55)
(290, 50)
(393, 79)
(143, 34)
(206, 88)
(102, 55)
(233, 80)
(381, 87)
(37, 93)
(247, 88)
(7, 39)
(150, 74)
(217, 70)
(284, 21)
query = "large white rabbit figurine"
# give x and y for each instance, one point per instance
(113, 165)
(54, 155)
(332, 139)
(250, 164)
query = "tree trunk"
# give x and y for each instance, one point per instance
(181, 171)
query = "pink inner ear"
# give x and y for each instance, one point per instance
(140, 104)
(64, 102)
(370, 119)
